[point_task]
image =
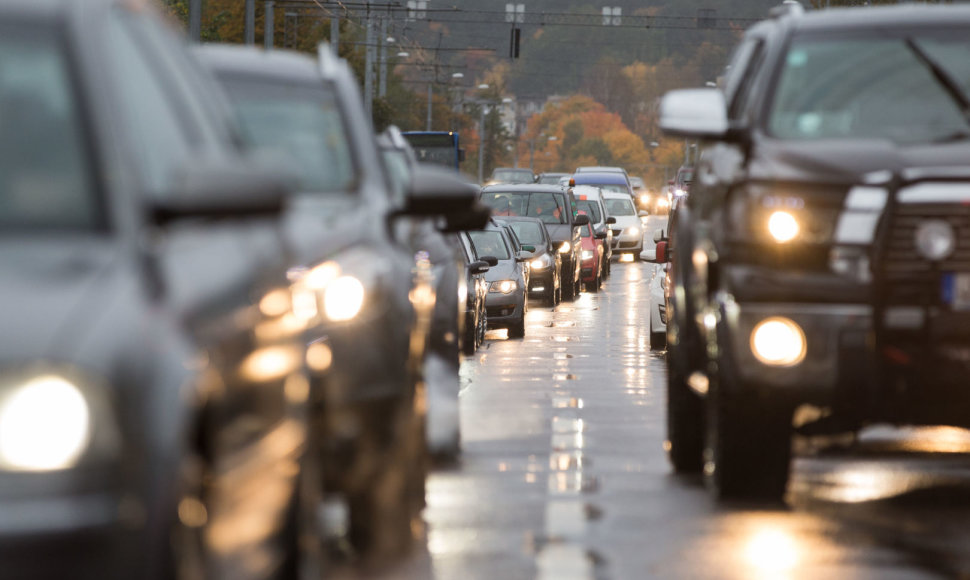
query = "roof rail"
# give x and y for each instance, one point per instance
(328, 59)
(787, 8)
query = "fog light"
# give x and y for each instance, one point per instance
(626, 258)
(783, 226)
(778, 342)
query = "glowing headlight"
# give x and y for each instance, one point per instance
(343, 298)
(45, 424)
(565, 248)
(503, 286)
(645, 199)
(778, 342)
(663, 202)
(634, 231)
(587, 255)
(537, 264)
(783, 226)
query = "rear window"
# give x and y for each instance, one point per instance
(528, 232)
(45, 174)
(592, 209)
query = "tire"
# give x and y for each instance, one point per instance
(685, 420)
(569, 291)
(748, 443)
(595, 285)
(658, 340)
(470, 341)
(517, 330)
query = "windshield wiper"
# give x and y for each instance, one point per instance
(942, 76)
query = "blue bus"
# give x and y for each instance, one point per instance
(437, 147)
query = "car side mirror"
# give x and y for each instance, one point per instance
(642, 213)
(611, 220)
(437, 191)
(475, 218)
(492, 261)
(599, 235)
(649, 255)
(528, 248)
(581, 220)
(479, 267)
(224, 188)
(662, 256)
(694, 113)
(658, 235)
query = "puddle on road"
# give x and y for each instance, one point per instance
(567, 441)
(567, 461)
(563, 338)
(567, 403)
(567, 425)
(563, 324)
(561, 356)
(570, 483)
(564, 377)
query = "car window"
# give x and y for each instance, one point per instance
(300, 121)
(157, 133)
(489, 243)
(548, 207)
(621, 207)
(592, 209)
(584, 231)
(45, 174)
(739, 73)
(875, 88)
(528, 233)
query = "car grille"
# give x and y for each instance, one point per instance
(627, 245)
(908, 277)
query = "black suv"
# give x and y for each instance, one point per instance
(821, 266)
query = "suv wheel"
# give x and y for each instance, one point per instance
(569, 290)
(658, 339)
(748, 447)
(685, 418)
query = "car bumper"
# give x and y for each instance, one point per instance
(542, 282)
(632, 244)
(503, 310)
(588, 270)
(836, 356)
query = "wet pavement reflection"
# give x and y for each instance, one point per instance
(563, 474)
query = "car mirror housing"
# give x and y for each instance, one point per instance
(492, 261)
(658, 235)
(436, 191)
(649, 255)
(581, 220)
(475, 218)
(642, 213)
(610, 220)
(224, 188)
(479, 267)
(695, 113)
(662, 256)
(528, 248)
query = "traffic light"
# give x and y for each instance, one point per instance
(514, 42)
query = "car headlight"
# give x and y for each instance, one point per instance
(634, 231)
(783, 226)
(587, 255)
(538, 264)
(342, 286)
(663, 202)
(503, 286)
(343, 298)
(778, 342)
(45, 425)
(645, 199)
(565, 248)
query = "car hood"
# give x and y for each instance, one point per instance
(841, 161)
(52, 291)
(504, 270)
(560, 232)
(625, 221)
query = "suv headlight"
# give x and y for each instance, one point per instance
(587, 255)
(632, 231)
(342, 287)
(47, 422)
(565, 248)
(503, 286)
(762, 215)
(542, 262)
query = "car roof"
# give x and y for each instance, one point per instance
(252, 61)
(905, 17)
(616, 195)
(523, 188)
(600, 169)
(588, 177)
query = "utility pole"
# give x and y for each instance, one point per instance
(249, 32)
(335, 32)
(430, 94)
(268, 22)
(195, 20)
(481, 145)
(369, 66)
(382, 82)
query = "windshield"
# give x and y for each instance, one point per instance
(489, 244)
(548, 207)
(592, 209)
(512, 176)
(528, 233)
(45, 178)
(875, 88)
(550, 179)
(620, 207)
(302, 123)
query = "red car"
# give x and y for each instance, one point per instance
(592, 255)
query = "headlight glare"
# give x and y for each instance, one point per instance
(565, 248)
(503, 286)
(634, 231)
(783, 226)
(343, 298)
(537, 264)
(778, 342)
(45, 425)
(587, 255)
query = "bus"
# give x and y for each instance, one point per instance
(437, 147)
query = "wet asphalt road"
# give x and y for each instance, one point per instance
(564, 475)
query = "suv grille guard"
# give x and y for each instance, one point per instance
(890, 289)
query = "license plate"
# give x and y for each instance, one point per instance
(956, 290)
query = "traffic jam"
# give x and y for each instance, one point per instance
(246, 335)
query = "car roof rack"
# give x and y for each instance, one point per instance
(787, 8)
